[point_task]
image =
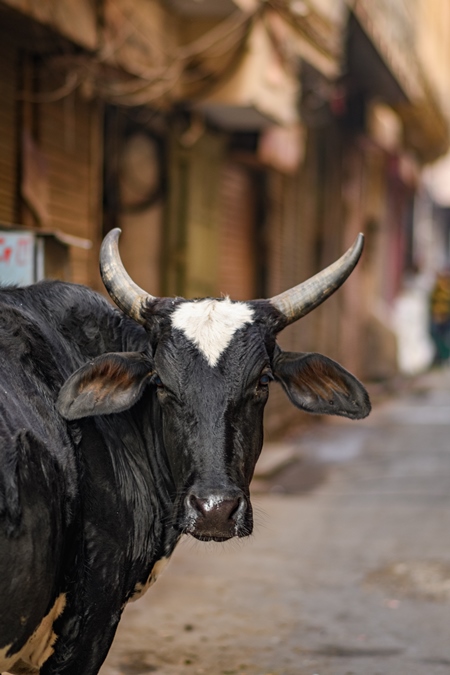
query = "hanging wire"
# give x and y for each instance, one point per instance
(193, 64)
(152, 43)
(220, 32)
(72, 82)
(156, 84)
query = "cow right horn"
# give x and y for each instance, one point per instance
(126, 294)
(298, 301)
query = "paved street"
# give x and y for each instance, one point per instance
(347, 573)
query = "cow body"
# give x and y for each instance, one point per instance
(116, 439)
(83, 506)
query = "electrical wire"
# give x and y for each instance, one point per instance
(69, 86)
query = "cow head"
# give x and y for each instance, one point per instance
(210, 363)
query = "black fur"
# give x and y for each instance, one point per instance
(115, 440)
(83, 505)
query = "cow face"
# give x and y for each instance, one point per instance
(212, 371)
(209, 364)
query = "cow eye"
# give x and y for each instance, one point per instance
(265, 379)
(156, 380)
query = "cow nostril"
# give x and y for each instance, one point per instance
(196, 504)
(240, 509)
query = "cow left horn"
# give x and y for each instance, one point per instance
(126, 294)
(298, 301)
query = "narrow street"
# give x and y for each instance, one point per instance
(348, 570)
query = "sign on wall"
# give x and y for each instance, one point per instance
(17, 258)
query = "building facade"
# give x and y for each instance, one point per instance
(240, 145)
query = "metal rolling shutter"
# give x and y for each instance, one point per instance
(237, 244)
(70, 140)
(8, 129)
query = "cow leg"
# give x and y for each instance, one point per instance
(86, 654)
(89, 660)
(87, 627)
(31, 548)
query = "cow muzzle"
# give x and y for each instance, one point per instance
(216, 515)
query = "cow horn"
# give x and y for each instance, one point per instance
(126, 294)
(298, 301)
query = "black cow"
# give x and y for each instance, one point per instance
(120, 431)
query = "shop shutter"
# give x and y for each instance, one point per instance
(237, 235)
(69, 137)
(8, 129)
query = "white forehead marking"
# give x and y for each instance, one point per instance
(211, 324)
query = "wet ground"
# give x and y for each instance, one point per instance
(348, 570)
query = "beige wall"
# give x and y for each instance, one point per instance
(433, 46)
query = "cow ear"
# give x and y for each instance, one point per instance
(317, 384)
(110, 383)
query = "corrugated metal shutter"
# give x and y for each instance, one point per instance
(70, 140)
(8, 129)
(237, 245)
(276, 227)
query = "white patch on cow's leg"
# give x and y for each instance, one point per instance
(39, 647)
(211, 324)
(157, 569)
(6, 661)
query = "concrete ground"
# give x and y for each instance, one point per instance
(348, 570)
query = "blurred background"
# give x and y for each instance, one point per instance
(241, 145)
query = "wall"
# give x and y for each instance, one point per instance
(192, 215)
